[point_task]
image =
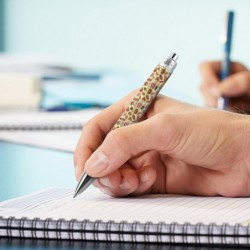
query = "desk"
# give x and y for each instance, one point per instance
(16, 244)
(24, 169)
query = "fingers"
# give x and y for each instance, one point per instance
(158, 133)
(212, 88)
(147, 177)
(113, 180)
(95, 131)
(128, 183)
(235, 85)
(210, 72)
(237, 67)
(125, 182)
(196, 138)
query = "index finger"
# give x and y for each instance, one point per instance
(95, 131)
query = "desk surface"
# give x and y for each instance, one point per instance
(25, 169)
(16, 244)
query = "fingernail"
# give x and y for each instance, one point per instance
(97, 162)
(105, 182)
(143, 176)
(125, 185)
(215, 92)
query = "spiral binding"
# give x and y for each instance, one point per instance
(41, 127)
(123, 231)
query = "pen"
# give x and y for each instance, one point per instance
(138, 106)
(70, 106)
(227, 33)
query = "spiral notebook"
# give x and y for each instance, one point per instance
(52, 130)
(42, 120)
(54, 214)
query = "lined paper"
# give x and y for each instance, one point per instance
(93, 205)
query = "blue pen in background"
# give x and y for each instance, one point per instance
(226, 39)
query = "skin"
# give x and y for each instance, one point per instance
(176, 148)
(236, 87)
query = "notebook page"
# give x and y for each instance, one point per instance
(63, 140)
(36, 124)
(93, 205)
(18, 119)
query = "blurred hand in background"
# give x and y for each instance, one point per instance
(236, 87)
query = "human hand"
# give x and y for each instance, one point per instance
(236, 86)
(177, 148)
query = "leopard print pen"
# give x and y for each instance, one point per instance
(147, 93)
(138, 106)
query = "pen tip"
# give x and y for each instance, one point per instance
(75, 195)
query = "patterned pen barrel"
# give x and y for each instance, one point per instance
(139, 105)
(147, 92)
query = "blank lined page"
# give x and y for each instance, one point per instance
(93, 205)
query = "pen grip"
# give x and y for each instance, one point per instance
(145, 96)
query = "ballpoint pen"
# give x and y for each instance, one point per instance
(138, 106)
(226, 38)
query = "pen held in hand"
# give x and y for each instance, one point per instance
(139, 105)
(226, 39)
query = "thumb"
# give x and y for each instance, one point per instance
(161, 133)
(235, 85)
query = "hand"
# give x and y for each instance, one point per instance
(236, 87)
(177, 148)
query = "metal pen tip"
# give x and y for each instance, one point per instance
(83, 184)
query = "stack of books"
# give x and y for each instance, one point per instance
(21, 76)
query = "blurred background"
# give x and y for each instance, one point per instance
(89, 53)
(124, 40)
